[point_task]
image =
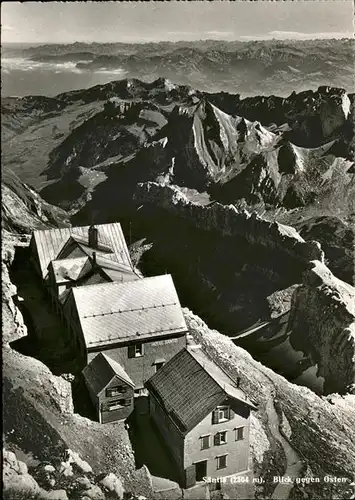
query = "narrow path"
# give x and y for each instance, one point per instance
(294, 464)
(249, 331)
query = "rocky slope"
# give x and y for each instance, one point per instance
(72, 476)
(317, 428)
(336, 237)
(39, 423)
(322, 319)
(23, 209)
(317, 313)
(38, 463)
(293, 165)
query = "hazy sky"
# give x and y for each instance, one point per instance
(37, 22)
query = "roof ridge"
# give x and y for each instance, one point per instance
(217, 365)
(111, 361)
(120, 311)
(71, 228)
(70, 258)
(119, 283)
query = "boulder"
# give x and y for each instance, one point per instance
(113, 484)
(54, 495)
(94, 493)
(21, 484)
(84, 483)
(82, 465)
(49, 468)
(22, 467)
(10, 461)
(66, 469)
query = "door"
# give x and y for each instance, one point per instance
(201, 470)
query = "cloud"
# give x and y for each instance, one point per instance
(296, 35)
(220, 33)
(7, 28)
(201, 34)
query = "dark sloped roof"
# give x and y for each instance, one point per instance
(190, 386)
(220, 376)
(135, 310)
(101, 370)
(49, 243)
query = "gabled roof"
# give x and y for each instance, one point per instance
(116, 312)
(74, 269)
(70, 269)
(117, 271)
(102, 247)
(190, 386)
(101, 370)
(50, 242)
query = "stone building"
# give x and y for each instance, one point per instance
(202, 415)
(138, 324)
(110, 388)
(84, 255)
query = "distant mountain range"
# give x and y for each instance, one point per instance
(288, 159)
(264, 67)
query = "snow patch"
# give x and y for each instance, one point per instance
(345, 104)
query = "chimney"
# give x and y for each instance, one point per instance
(93, 236)
(238, 381)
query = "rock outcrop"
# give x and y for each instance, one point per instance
(22, 209)
(322, 320)
(48, 482)
(39, 419)
(322, 309)
(319, 430)
(229, 221)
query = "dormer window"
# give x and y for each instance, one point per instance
(221, 414)
(135, 351)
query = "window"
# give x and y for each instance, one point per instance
(222, 462)
(115, 391)
(220, 438)
(239, 433)
(135, 350)
(140, 392)
(116, 405)
(221, 414)
(205, 442)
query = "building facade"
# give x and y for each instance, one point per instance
(205, 424)
(111, 389)
(139, 324)
(143, 359)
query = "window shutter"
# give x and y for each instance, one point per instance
(216, 440)
(231, 414)
(215, 417)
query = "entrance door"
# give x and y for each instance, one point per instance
(201, 470)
